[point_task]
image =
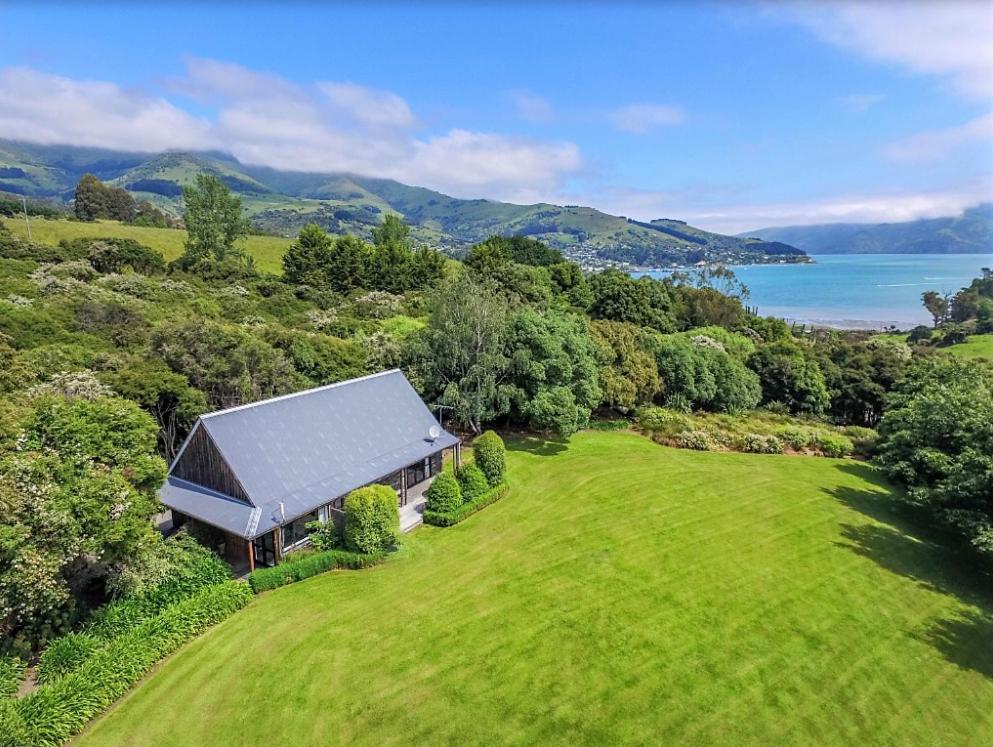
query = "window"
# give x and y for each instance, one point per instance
(296, 530)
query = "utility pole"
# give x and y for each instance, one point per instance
(24, 202)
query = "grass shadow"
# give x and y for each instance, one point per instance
(965, 641)
(903, 544)
(537, 445)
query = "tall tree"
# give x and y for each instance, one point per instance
(459, 357)
(214, 220)
(937, 306)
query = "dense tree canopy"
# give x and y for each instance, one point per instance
(937, 439)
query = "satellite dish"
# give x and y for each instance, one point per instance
(434, 432)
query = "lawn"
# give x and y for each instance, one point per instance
(267, 250)
(975, 346)
(622, 592)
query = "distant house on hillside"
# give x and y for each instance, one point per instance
(260, 472)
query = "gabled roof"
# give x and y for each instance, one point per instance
(303, 450)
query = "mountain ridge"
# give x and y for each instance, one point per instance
(281, 202)
(970, 232)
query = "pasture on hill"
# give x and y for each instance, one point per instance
(975, 346)
(622, 592)
(267, 250)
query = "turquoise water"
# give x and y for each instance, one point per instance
(856, 290)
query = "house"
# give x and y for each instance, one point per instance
(259, 473)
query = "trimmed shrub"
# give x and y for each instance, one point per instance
(372, 519)
(491, 456)
(472, 481)
(65, 654)
(439, 519)
(291, 571)
(57, 711)
(833, 445)
(444, 495)
(11, 674)
(756, 443)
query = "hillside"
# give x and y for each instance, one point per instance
(969, 233)
(281, 202)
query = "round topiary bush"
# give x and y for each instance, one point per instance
(491, 456)
(472, 481)
(444, 495)
(372, 519)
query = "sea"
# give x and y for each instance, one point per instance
(855, 291)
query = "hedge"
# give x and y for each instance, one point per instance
(11, 674)
(54, 713)
(491, 456)
(292, 571)
(439, 519)
(472, 481)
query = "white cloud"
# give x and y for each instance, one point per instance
(267, 120)
(531, 107)
(51, 109)
(642, 118)
(737, 217)
(931, 146)
(949, 38)
(373, 107)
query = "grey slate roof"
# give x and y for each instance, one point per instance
(305, 449)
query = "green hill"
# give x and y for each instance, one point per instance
(968, 233)
(281, 202)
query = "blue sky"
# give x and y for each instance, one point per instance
(731, 116)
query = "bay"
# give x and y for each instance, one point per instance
(855, 291)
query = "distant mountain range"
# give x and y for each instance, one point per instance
(281, 202)
(969, 233)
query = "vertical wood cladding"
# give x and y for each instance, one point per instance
(203, 464)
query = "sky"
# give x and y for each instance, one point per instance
(732, 116)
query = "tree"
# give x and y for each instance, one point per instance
(94, 199)
(165, 395)
(79, 493)
(620, 298)
(937, 306)
(628, 374)
(393, 230)
(308, 259)
(214, 221)
(936, 438)
(459, 357)
(227, 363)
(789, 376)
(552, 380)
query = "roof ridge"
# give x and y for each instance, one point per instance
(299, 394)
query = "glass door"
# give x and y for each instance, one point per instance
(264, 548)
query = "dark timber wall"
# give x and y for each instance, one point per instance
(203, 464)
